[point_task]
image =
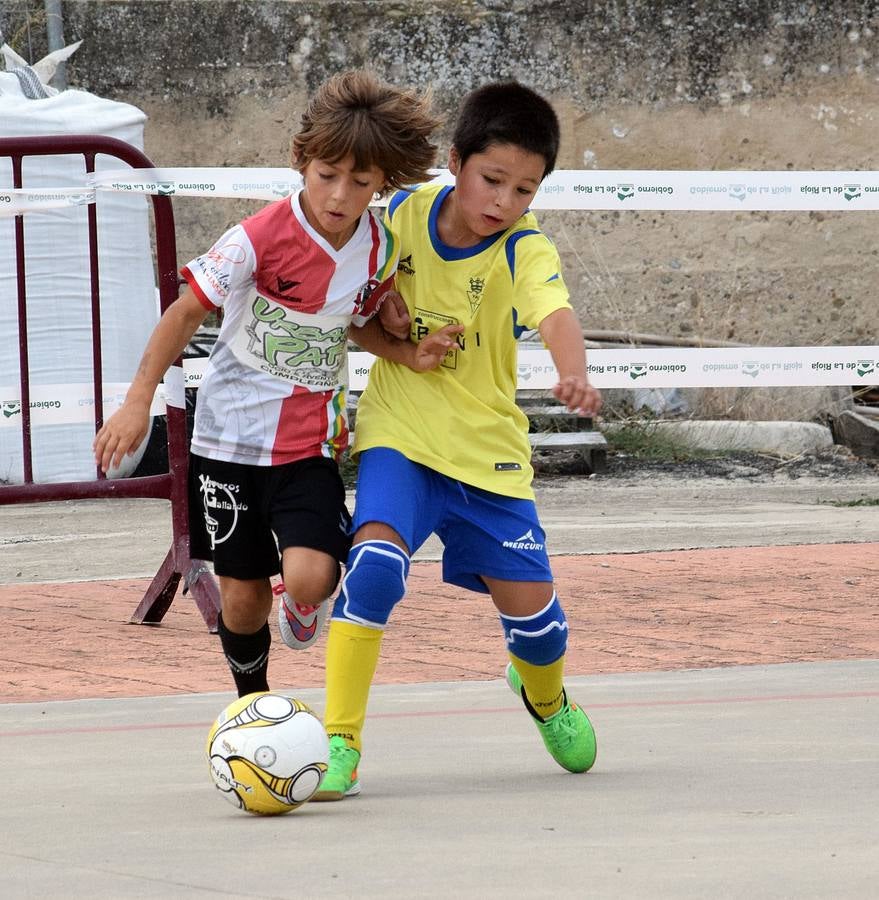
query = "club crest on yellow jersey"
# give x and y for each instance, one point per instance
(474, 295)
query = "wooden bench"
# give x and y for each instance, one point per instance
(552, 428)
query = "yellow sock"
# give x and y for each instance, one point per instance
(543, 685)
(352, 655)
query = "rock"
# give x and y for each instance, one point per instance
(858, 433)
(783, 439)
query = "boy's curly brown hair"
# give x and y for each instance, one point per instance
(356, 113)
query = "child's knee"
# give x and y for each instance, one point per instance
(246, 604)
(540, 639)
(311, 586)
(373, 584)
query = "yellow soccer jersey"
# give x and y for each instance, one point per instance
(461, 419)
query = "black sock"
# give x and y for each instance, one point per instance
(248, 657)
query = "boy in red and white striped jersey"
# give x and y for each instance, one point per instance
(270, 420)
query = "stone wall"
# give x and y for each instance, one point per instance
(720, 84)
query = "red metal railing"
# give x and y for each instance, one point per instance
(170, 486)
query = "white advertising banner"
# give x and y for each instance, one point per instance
(722, 191)
(671, 367)
(565, 189)
(62, 404)
(712, 367)
(253, 184)
(18, 202)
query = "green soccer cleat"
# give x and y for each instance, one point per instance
(567, 734)
(341, 778)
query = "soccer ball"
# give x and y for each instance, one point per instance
(268, 753)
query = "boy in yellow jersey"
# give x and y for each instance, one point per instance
(447, 450)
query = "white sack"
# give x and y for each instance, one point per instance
(58, 281)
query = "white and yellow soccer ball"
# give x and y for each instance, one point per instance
(268, 753)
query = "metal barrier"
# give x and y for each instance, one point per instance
(172, 485)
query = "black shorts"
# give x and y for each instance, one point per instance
(241, 517)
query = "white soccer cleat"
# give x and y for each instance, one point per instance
(300, 626)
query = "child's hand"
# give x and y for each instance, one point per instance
(431, 350)
(394, 316)
(121, 434)
(578, 395)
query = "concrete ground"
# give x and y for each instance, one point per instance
(755, 781)
(650, 511)
(725, 641)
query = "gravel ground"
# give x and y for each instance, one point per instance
(837, 463)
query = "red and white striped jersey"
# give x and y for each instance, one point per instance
(274, 390)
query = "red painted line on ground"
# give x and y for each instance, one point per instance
(625, 704)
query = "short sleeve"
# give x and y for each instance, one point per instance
(538, 286)
(370, 301)
(228, 265)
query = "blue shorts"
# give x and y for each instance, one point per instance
(482, 533)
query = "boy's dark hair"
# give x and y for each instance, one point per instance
(380, 125)
(507, 112)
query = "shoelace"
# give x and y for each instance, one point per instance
(339, 754)
(563, 725)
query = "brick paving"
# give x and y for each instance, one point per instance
(628, 612)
